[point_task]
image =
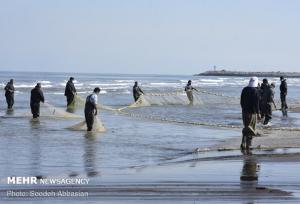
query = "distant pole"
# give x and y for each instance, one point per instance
(215, 67)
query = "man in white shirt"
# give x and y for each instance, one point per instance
(90, 110)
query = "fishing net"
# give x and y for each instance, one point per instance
(97, 126)
(156, 99)
(173, 98)
(214, 98)
(52, 111)
(79, 102)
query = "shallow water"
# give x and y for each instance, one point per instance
(47, 148)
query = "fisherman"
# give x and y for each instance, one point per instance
(9, 94)
(259, 91)
(70, 92)
(90, 110)
(267, 102)
(137, 91)
(283, 93)
(250, 112)
(189, 91)
(263, 86)
(36, 97)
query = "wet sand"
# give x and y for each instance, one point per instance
(220, 174)
(190, 182)
(269, 139)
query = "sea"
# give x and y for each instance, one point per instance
(138, 137)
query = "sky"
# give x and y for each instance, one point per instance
(149, 36)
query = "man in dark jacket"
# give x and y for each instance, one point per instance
(9, 94)
(137, 92)
(70, 92)
(263, 87)
(268, 102)
(90, 109)
(189, 91)
(283, 94)
(250, 111)
(36, 97)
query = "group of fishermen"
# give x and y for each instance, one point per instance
(90, 109)
(257, 102)
(37, 96)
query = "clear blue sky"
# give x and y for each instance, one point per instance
(149, 36)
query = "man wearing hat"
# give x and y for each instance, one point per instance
(283, 93)
(250, 111)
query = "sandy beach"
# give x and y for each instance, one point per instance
(266, 174)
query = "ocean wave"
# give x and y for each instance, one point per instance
(115, 88)
(164, 84)
(32, 85)
(89, 92)
(211, 80)
(84, 92)
(111, 84)
(75, 83)
(24, 85)
(47, 86)
(125, 81)
(126, 92)
(45, 82)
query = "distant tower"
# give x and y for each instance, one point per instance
(215, 68)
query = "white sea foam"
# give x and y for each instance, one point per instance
(83, 92)
(45, 82)
(127, 81)
(46, 86)
(24, 85)
(114, 88)
(211, 80)
(109, 84)
(164, 84)
(126, 92)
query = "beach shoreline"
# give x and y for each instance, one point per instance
(181, 181)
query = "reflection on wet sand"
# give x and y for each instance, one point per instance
(89, 155)
(35, 148)
(250, 168)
